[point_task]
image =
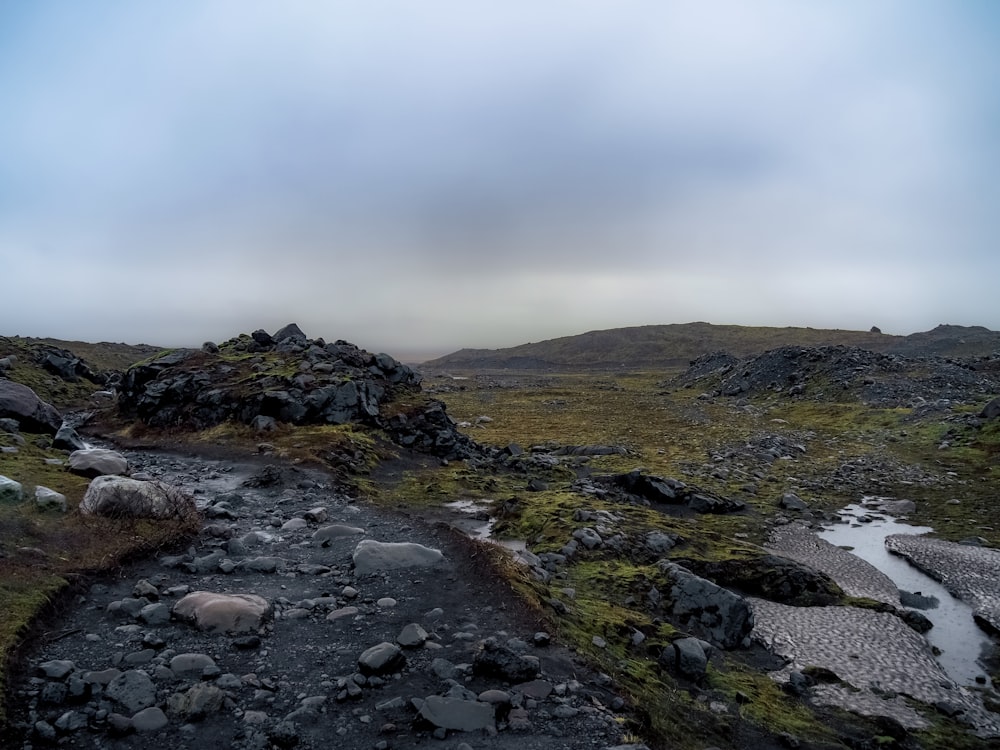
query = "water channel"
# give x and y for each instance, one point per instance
(955, 634)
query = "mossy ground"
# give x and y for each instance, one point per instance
(664, 430)
(672, 432)
(42, 552)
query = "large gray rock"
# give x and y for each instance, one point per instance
(227, 613)
(122, 497)
(132, 690)
(706, 609)
(689, 657)
(10, 491)
(458, 714)
(290, 331)
(21, 403)
(96, 462)
(371, 556)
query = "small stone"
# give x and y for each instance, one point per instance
(57, 669)
(339, 614)
(383, 658)
(149, 719)
(412, 636)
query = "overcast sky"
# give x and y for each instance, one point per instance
(424, 176)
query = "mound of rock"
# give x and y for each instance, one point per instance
(287, 377)
(876, 378)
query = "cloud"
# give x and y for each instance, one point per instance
(453, 172)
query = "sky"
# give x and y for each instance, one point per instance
(418, 177)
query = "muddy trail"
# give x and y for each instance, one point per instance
(300, 617)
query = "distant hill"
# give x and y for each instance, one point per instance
(675, 345)
(66, 373)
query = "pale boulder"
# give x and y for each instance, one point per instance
(95, 462)
(371, 556)
(121, 497)
(224, 613)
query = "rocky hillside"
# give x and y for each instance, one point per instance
(833, 372)
(66, 373)
(661, 346)
(263, 380)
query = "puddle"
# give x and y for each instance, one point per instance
(477, 524)
(955, 633)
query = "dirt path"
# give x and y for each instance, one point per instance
(457, 663)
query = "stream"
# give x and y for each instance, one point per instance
(955, 633)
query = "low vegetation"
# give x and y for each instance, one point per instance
(44, 552)
(828, 451)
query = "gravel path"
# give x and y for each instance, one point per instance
(388, 658)
(971, 573)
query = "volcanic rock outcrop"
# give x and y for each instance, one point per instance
(261, 379)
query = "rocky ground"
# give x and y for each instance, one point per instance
(343, 646)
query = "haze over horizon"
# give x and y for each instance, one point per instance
(427, 177)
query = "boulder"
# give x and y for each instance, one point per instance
(290, 331)
(197, 702)
(383, 658)
(707, 502)
(779, 579)
(412, 636)
(95, 462)
(46, 499)
(150, 719)
(371, 556)
(226, 613)
(67, 439)
(10, 491)
(456, 713)
(132, 691)
(497, 660)
(187, 666)
(706, 609)
(21, 403)
(122, 497)
(688, 656)
(991, 410)
(791, 501)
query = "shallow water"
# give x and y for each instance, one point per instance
(955, 633)
(477, 527)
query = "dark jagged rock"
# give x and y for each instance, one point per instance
(498, 660)
(64, 364)
(819, 372)
(654, 489)
(991, 410)
(773, 577)
(705, 608)
(67, 439)
(21, 403)
(294, 380)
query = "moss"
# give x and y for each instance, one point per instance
(763, 703)
(23, 596)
